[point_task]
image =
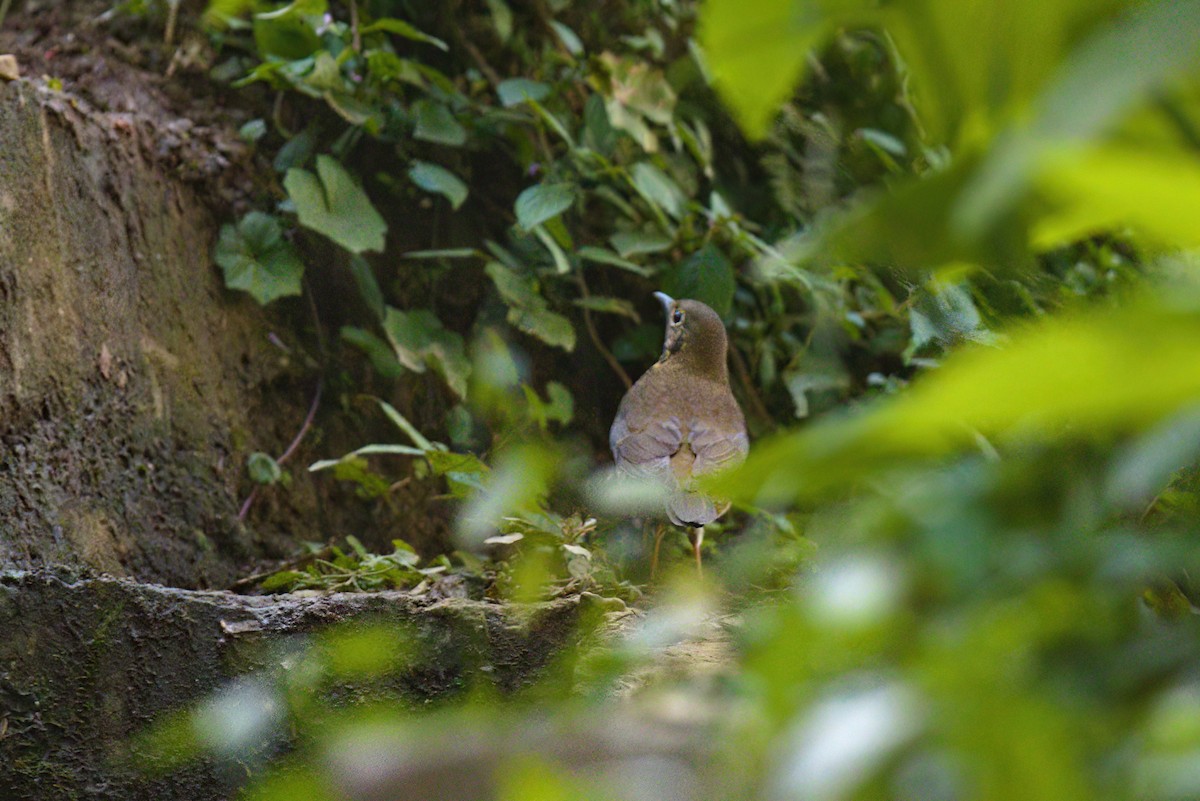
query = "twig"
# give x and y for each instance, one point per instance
(595, 337)
(287, 564)
(312, 409)
(756, 401)
(476, 56)
(291, 449)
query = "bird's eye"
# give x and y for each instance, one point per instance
(677, 317)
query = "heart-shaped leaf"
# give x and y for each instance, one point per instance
(331, 203)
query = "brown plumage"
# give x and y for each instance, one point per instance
(680, 419)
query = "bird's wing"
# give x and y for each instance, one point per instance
(717, 449)
(647, 451)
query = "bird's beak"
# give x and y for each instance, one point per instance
(666, 300)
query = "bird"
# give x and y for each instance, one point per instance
(680, 420)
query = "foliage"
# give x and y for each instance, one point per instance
(257, 259)
(358, 570)
(969, 228)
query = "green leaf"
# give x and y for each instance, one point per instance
(446, 253)
(381, 354)
(946, 314)
(282, 581)
(296, 151)
(1136, 365)
(257, 259)
(598, 132)
(263, 469)
(516, 91)
(325, 74)
(444, 462)
(548, 326)
(311, 8)
(1106, 186)
(404, 425)
(368, 287)
(756, 50)
(502, 18)
(331, 203)
(659, 189)
(543, 202)
(439, 180)
(253, 131)
(560, 407)
(569, 39)
(402, 28)
(528, 310)
(706, 275)
(515, 289)
(290, 37)
(609, 306)
(602, 256)
(632, 243)
(562, 265)
(421, 341)
(435, 123)
(1115, 69)
(814, 375)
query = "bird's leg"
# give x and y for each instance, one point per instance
(696, 536)
(658, 537)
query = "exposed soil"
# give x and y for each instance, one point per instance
(188, 123)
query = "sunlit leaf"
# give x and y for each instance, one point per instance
(1102, 187)
(1075, 377)
(755, 50)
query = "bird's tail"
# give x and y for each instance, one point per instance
(691, 509)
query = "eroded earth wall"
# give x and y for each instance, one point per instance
(126, 373)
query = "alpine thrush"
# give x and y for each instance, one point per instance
(680, 419)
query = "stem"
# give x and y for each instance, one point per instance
(595, 337)
(357, 37)
(172, 20)
(308, 420)
(743, 372)
(492, 76)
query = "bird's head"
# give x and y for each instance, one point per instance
(695, 337)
